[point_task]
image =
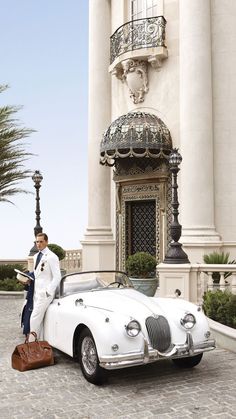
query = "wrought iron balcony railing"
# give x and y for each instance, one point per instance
(138, 34)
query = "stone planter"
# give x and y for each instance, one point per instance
(147, 286)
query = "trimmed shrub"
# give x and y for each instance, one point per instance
(141, 265)
(58, 250)
(11, 284)
(221, 307)
(7, 271)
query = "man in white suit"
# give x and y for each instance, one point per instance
(47, 278)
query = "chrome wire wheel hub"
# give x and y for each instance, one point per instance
(89, 356)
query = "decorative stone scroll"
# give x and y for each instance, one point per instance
(135, 75)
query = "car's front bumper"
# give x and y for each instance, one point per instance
(149, 354)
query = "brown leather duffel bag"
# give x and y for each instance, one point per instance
(31, 355)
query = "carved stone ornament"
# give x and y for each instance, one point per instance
(135, 75)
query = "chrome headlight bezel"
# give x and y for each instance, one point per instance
(188, 321)
(133, 328)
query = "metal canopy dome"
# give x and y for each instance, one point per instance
(135, 134)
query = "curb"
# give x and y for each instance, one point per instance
(225, 336)
(11, 294)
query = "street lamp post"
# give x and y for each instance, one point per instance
(37, 179)
(175, 253)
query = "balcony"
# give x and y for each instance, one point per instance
(142, 39)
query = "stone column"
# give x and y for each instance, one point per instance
(196, 126)
(98, 244)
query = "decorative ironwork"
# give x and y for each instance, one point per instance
(135, 134)
(160, 193)
(141, 227)
(175, 253)
(141, 189)
(137, 34)
(37, 179)
(168, 212)
(136, 193)
(135, 166)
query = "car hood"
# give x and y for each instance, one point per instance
(125, 301)
(133, 303)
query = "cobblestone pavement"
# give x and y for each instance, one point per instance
(158, 390)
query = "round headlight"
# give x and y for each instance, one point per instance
(188, 321)
(133, 328)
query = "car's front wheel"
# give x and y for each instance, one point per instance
(188, 362)
(88, 358)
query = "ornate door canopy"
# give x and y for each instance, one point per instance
(138, 145)
(135, 134)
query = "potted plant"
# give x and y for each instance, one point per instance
(141, 268)
(218, 258)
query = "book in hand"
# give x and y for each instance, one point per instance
(22, 276)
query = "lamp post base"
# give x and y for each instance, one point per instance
(33, 250)
(175, 254)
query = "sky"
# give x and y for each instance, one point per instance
(44, 60)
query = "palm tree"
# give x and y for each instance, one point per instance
(12, 152)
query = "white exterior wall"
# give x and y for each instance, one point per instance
(163, 96)
(98, 244)
(196, 127)
(224, 109)
(216, 191)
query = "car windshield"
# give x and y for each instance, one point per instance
(95, 280)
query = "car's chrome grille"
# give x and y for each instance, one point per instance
(159, 333)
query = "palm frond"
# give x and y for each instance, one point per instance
(13, 154)
(218, 258)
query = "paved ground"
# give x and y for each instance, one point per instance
(157, 390)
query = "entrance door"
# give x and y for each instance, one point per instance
(141, 227)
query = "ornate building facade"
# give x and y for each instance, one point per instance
(162, 75)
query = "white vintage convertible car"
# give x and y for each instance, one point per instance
(100, 319)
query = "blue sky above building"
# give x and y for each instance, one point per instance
(45, 62)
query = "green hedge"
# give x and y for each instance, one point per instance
(7, 271)
(221, 307)
(11, 284)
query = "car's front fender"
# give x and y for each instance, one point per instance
(109, 331)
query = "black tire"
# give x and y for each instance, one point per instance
(88, 359)
(189, 362)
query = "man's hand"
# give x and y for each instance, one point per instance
(23, 282)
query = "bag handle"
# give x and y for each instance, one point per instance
(31, 333)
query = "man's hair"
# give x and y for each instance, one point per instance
(44, 235)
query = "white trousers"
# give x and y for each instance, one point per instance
(41, 303)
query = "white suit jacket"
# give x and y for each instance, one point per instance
(47, 274)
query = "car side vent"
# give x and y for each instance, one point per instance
(159, 333)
